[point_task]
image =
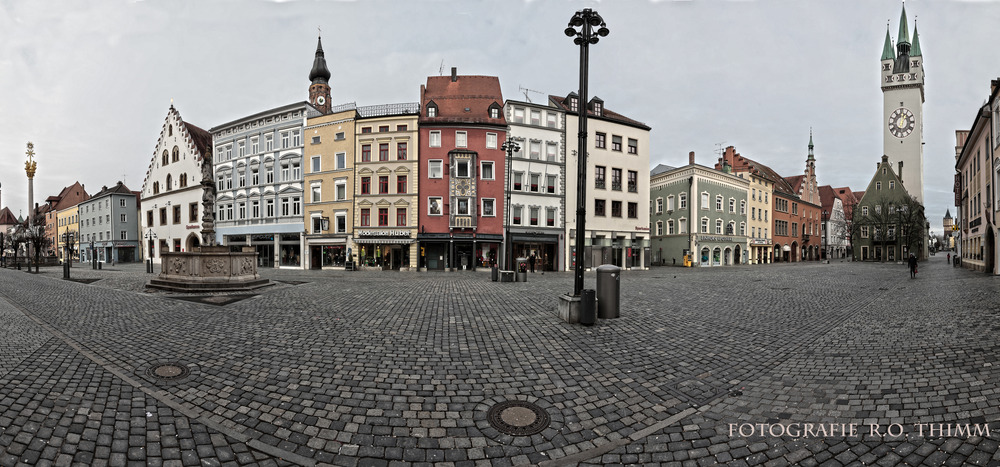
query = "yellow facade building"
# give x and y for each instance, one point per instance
(68, 221)
(329, 184)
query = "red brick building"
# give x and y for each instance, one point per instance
(462, 170)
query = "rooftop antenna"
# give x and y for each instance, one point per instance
(441, 68)
(718, 148)
(525, 91)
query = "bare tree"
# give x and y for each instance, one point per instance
(36, 237)
(910, 215)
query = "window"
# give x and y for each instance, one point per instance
(461, 139)
(488, 207)
(533, 178)
(366, 217)
(192, 213)
(550, 152)
(743, 207)
(753, 213)
(434, 168)
(732, 205)
(176, 157)
(269, 174)
(463, 206)
(383, 184)
(491, 140)
(682, 201)
(340, 224)
(400, 183)
(242, 210)
(616, 143)
(550, 183)
(383, 128)
(462, 168)
(599, 141)
(864, 231)
(892, 184)
(255, 209)
(633, 210)
(432, 110)
(434, 206)
(366, 153)
(124, 217)
(366, 129)
(400, 217)
(550, 217)
(340, 136)
(241, 149)
(296, 138)
(400, 127)
(795, 208)
(285, 173)
(518, 115)
(550, 120)
(254, 175)
(878, 185)
(254, 145)
(616, 179)
(149, 219)
(268, 142)
(269, 207)
(659, 228)
(616, 209)
(383, 217)
(316, 194)
(315, 164)
(535, 150)
(285, 139)
(317, 224)
(682, 226)
(599, 207)
(435, 139)
(704, 225)
(366, 185)
(341, 160)
(670, 227)
(518, 176)
(704, 201)
(340, 190)
(177, 214)
(536, 117)
(285, 206)
(400, 151)
(633, 146)
(486, 170)
(633, 181)
(598, 176)
(494, 112)
(517, 215)
(659, 205)
(383, 151)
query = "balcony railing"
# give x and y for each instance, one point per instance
(599, 183)
(463, 222)
(617, 186)
(633, 188)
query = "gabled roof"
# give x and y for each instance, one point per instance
(660, 168)
(118, 188)
(761, 170)
(827, 196)
(947, 214)
(609, 115)
(201, 138)
(462, 99)
(796, 183)
(69, 196)
(7, 217)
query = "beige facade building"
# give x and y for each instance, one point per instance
(329, 182)
(68, 221)
(385, 189)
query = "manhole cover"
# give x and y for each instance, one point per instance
(518, 418)
(168, 371)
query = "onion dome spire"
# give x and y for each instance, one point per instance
(319, 73)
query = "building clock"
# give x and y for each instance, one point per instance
(901, 122)
(321, 100)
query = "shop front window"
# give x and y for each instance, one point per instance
(291, 255)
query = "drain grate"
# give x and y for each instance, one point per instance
(518, 418)
(171, 371)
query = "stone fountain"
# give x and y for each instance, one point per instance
(212, 268)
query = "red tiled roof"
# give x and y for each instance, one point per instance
(7, 217)
(796, 182)
(467, 99)
(827, 195)
(201, 138)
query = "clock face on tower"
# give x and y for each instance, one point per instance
(321, 100)
(901, 122)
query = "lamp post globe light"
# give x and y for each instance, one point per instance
(581, 29)
(510, 147)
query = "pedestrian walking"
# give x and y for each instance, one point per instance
(531, 262)
(949, 257)
(912, 261)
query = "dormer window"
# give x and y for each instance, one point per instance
(432, 110)
(597, 108)
(573, 104)
(494, 110)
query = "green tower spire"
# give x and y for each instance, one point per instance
(904, 31)
(887, 53)
(811, 156)
(915, 50)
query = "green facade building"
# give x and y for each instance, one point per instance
(888, 223)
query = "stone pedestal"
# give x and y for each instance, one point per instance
(569, 308)
(211, 269)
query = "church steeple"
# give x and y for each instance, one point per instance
(319, 76)
(904, 30)
(812, 157)
(887, 53)
(915, 50)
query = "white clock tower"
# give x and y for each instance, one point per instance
(903, 107)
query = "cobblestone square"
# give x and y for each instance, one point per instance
(783, 364)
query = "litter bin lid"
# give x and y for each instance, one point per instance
(608, 268)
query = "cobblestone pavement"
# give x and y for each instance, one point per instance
(734, 366)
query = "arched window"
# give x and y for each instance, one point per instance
(184, 180)
(166, 158)
(176, 155)
(156, 188)
(170, 130)
(169, 182)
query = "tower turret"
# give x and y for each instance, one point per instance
(319, 76)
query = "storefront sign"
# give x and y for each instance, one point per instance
(639, 227)
(193, 226)
(383, 233)
(760, 241)
(715, 239)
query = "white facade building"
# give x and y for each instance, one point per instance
(537, 183)
(259, 184)
(617, 192)
(171, 192)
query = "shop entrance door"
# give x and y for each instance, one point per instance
(315, 257)
(265, 256)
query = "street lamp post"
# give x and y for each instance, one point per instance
(826, 234)
(510, 146)
(586, 20)
(150, 237)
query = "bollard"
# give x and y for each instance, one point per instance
(587, 307)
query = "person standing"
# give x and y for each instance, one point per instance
(531, 262)
(912, 261)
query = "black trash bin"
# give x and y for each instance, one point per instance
(588, 311)
(608, 290)
(494, 273)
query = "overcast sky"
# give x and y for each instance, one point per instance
(90, 82)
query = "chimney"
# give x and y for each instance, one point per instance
(454, 74)
(900, 174)
(691, 158)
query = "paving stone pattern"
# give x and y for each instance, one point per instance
(388, 368)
